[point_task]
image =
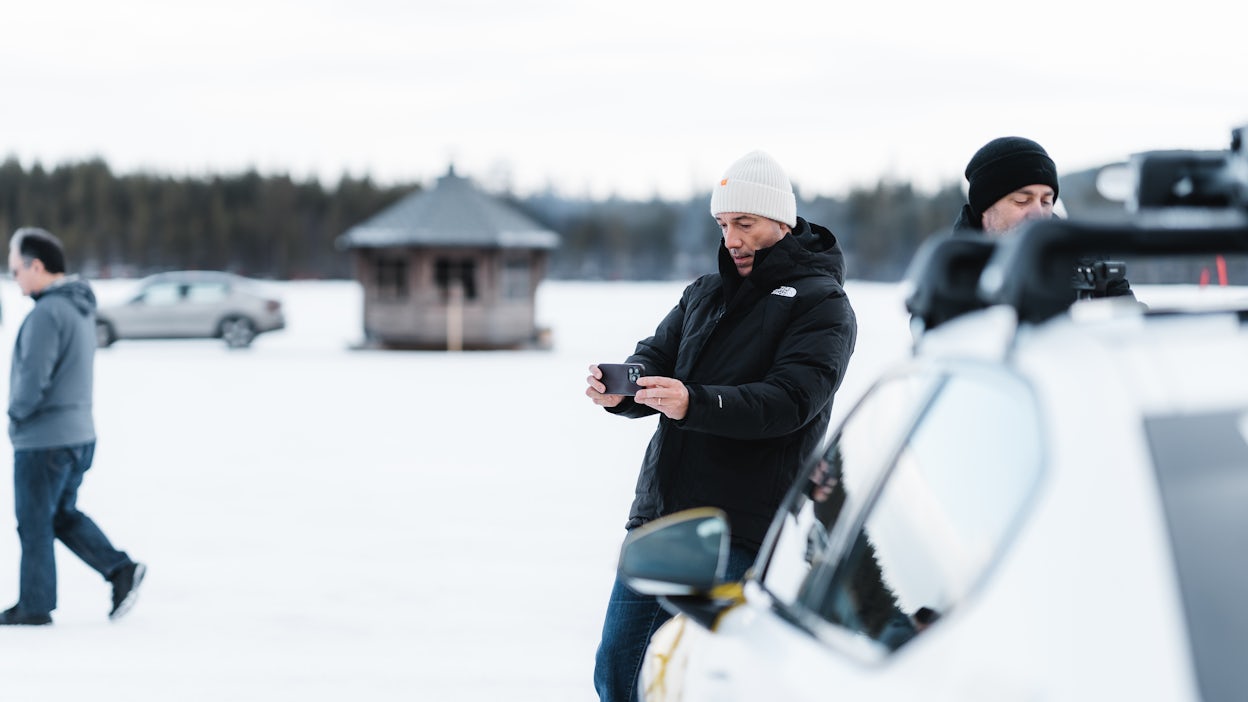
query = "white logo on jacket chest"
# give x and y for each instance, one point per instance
(784, 291)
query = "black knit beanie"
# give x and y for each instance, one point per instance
(1004, 165)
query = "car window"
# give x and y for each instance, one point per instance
(954, 494)
(204, 293)
(162, 294)
(841, 479)
(909, 504)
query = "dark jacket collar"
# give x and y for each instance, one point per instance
(809, 249)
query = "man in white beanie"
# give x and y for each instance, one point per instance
(742, 372)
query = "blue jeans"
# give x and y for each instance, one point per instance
(45, 493)
(632, 618)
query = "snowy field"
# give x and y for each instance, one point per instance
(323, 523)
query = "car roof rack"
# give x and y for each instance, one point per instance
(1031, 270)
(943, 279)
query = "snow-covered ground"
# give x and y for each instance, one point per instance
(322, 523)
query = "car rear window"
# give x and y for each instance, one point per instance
(1202, 472)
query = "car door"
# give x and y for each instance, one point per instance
(894, 528)
(153, 313)
(203, 306)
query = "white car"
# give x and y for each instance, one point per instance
(192, 304)
(1048, 501)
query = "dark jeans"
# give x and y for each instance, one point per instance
(632, 618)
(45, 493)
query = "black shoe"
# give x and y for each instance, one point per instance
(11, 616)
(126, 588)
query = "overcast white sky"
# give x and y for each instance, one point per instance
(629, 98)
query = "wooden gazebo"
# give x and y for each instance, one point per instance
(452, 268)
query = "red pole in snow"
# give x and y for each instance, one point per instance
(1221, 270)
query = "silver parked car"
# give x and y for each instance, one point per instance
(192, 304)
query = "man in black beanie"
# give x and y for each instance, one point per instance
(1012, 179)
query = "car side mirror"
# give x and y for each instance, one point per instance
(681, 554)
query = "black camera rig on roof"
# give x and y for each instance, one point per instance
(1093, 278)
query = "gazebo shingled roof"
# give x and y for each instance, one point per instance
(454, 212)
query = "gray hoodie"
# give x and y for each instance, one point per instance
(50, 383)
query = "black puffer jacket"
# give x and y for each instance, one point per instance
(761, 357)
(967, 223)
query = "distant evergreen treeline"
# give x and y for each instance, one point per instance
(126, 225)
(272, 226)
(878, 228)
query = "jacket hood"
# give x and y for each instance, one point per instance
(808, 248)
(822, 252)
(74, 289)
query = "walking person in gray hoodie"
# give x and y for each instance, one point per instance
(53, 432)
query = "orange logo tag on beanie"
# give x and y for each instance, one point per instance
(724, 181)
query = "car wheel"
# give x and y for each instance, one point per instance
(104, 334)
(238, 332)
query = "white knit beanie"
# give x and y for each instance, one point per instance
(756, 184)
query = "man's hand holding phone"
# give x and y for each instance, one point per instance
(610, 383)
(621, 378)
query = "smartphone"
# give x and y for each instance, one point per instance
(621, 378)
